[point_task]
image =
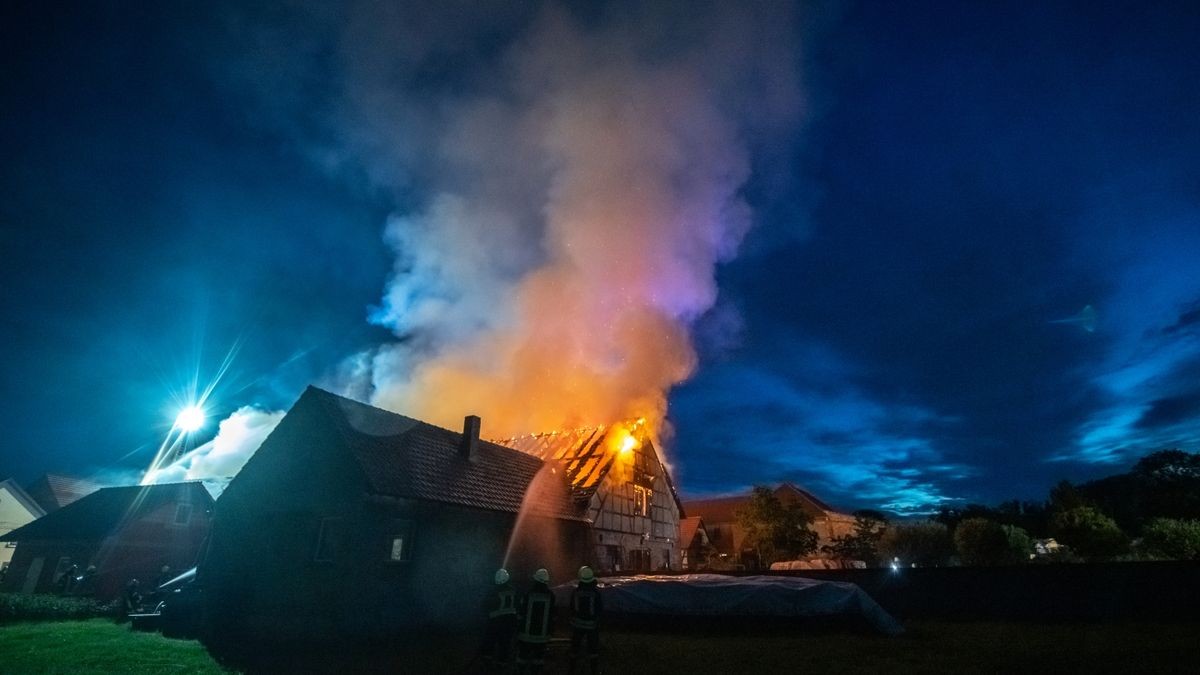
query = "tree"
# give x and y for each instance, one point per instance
(981, 542)
(925, 544)
(863, 543)
(1089, 533)
(1171, 538)
(776, 531)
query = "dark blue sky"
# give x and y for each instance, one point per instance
(966, 173)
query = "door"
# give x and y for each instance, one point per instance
(33, 574)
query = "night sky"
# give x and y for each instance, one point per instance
(182, 185)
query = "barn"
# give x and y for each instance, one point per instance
(126, 532)
(351, 521)
(622, 486)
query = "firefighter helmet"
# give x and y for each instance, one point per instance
(501, 576)
(541, 576)
(586, 575)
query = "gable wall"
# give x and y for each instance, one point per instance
(620, 531)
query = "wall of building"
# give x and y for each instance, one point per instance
(635, 516)
(13, 514)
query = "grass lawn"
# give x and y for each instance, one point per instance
(99, 646)
(96, 646)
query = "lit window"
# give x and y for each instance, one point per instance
(641, 500)
(183, 514)
(400, 541)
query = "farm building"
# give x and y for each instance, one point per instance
(353, 521)
(126, 532)
(720, 518)
(621, 485)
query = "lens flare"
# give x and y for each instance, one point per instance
(190, 419)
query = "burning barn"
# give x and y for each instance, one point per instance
(351, 520)
(618, 480)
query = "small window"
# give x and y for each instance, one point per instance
(328, 539)
(10, 544)
(183, 514)
(400, 541)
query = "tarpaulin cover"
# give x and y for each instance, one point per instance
(761, 596)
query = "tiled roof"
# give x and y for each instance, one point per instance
(406, 458)
(687, 529)
(54, 491)
(101, 513)
(724, 509)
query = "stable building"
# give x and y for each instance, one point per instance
(351, 521)
(125, 532)
(726, 535)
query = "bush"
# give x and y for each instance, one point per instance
(923, 544)
(1170, 538)
(23, 607)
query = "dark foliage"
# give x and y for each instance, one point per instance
(776, 531)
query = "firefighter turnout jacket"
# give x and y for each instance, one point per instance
(536, 615)
(585, 606)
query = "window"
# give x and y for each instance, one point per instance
(400, 541)
(183, 514)
(641, 500)
(328, 539)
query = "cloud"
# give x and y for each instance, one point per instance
(218, 460)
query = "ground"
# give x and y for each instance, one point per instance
(100, 646)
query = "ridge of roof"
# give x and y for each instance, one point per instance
(101, 512)
(401, 456)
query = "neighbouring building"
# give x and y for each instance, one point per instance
(53, 491)
(126, 532)
(694, 544)
(16, 509)
(624, 489)
(720, 518)
(353, 521)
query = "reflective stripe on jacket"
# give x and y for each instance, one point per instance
(504, 603)
(585, 606)
(535, 616)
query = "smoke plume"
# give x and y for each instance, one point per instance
(583, 182)
(566, 184)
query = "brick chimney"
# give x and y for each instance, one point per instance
(469, 444)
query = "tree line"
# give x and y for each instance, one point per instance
(1151, 512)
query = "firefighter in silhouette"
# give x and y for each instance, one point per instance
(501, 608)
(585, 621)
(133, 596)
(534, 624)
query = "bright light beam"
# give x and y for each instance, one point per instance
(190, 419)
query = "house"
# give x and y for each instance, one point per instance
(53, 491)
(351, 521)
(623, 487)
(694, 544)
(126, 532)
(16, 509)
(720, 518)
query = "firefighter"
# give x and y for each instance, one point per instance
(502, 622)
(133, 596)
(586, 607)
(535, 622)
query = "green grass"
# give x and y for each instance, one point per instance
(99, 646)
(96, 646)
